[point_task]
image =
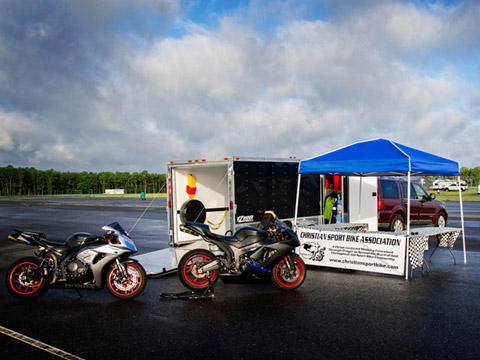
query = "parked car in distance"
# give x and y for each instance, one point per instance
(440, 184)
(448, 185)
(392, 206)
(454, 186)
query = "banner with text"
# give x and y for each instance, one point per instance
(376, 252)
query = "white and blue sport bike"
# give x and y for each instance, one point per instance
(84, 261)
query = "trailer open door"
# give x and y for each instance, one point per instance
(211, 190)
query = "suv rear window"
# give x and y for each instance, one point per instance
(389, 189)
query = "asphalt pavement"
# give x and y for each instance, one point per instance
(334, 315)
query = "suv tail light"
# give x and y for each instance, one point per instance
(381, 204)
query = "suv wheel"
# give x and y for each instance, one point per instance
(441, 220)
(397, 224)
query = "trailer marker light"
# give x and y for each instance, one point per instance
(231, 205)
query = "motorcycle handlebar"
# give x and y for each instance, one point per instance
(109, 237)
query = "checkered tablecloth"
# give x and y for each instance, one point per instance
(419, 240)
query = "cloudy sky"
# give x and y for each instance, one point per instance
(120, 85)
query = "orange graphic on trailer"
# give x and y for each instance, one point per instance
(191, 186)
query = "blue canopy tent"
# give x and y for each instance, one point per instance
(380, 157)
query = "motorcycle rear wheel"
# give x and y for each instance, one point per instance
(126, 288)
(23, 282)
(286, 278)
(187, 270)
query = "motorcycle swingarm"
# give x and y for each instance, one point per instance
(214, 265)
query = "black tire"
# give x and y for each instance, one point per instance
(24, 282)
(187, 270)
(193, 210)
(288, 279)
(126, 288)
(397, 224)
(441, 220)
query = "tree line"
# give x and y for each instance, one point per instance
(471, 176)
(30, 181)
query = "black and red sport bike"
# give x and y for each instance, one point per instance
(250, 252)
(84, 261)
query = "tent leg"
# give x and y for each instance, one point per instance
(296, 202)
(407, 240)
(360, 200)
(463, 223)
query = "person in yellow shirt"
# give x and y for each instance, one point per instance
(330, 209)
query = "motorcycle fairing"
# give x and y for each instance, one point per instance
(243, 237)
(249, 235)
(80, 239)
(264, 253)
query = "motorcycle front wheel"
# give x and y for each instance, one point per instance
(129, 286)
(287, 277)
(188, 270)
(24, 279)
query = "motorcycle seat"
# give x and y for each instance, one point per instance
(55, 243)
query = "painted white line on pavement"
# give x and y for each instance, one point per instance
(38, 344)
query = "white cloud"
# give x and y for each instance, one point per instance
(17, 132)
(303, 86)
(58, 152)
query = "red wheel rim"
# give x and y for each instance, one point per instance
(24, 286)
(125, 287)
(299, 278)
(190, 271)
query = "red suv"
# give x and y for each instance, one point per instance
(392, 206)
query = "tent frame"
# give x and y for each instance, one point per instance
(409, 175)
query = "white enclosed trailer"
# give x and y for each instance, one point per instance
(228, 192)
(232, 190)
